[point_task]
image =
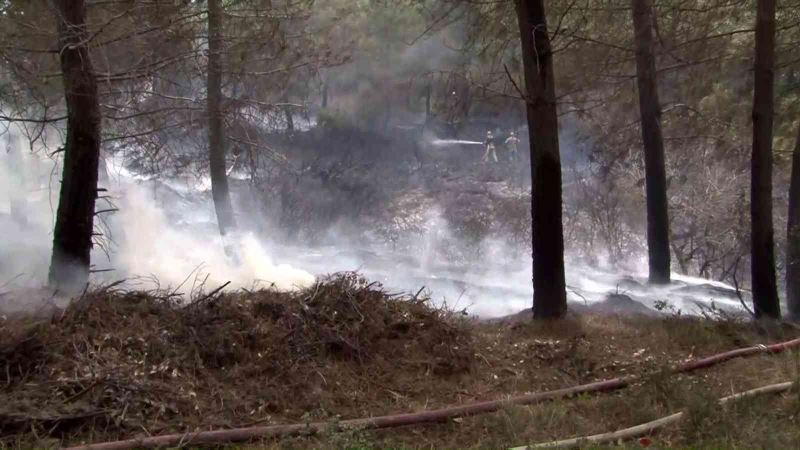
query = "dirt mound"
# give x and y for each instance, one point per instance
(121, 363)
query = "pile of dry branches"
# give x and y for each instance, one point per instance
(117, 362)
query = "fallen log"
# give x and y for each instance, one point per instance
(437, 415)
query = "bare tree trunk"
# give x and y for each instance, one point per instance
(655, 172)
(428, 92)
(216, 136)
(793, 238)
(466, 101)
(765, 291)
(287, 112)
(72, 237)
(387, 114)
(325, 93)
(549, 286)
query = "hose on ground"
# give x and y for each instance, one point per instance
(398, 420)
(648, 428)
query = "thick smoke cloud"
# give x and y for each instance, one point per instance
(149, 244)
(163, 234)
(27, 208)
(140, 244)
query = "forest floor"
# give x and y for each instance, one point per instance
(120, 365)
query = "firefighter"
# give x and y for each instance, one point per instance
(490, 148)
(511, 144)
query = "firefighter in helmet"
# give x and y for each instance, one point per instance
(491, 151)
(512, 143)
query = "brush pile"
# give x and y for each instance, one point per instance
(118, 363)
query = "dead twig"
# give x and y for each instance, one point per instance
(514, 83)
(82, 392)
(429, 416)
(210, 295)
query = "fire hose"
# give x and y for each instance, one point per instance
(430, 416)
(654, 425)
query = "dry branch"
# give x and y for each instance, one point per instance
(652, 426)
(210, 295)
(438, 415)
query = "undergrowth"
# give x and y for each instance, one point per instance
(118, 364)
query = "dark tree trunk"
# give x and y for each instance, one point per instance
(549, 287)
(216, 134)
(428, 92)
(287, 112)
(72, 237)
(387, 114)
(765, 291)
(325, 94)
(655, 172)
(793, 238)
(466, 101)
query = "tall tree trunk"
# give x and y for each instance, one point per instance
(72, 237)
(216, 134)
(325, 93)
(466, 101)
(549, 287)
(287, 112)
(655, 172)
(428, 93)
(793, 237)
(387, 115)
(765, 291)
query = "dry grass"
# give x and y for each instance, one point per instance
(117, 365)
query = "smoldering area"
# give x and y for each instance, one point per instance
(161, 234)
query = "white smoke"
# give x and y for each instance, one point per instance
(142, 243)
(27, 209)
(150, 245)
(164, 232)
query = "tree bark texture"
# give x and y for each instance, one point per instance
(765, 291)
(654, 160)
(216, 133)
(72, 237)
(549, 286)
